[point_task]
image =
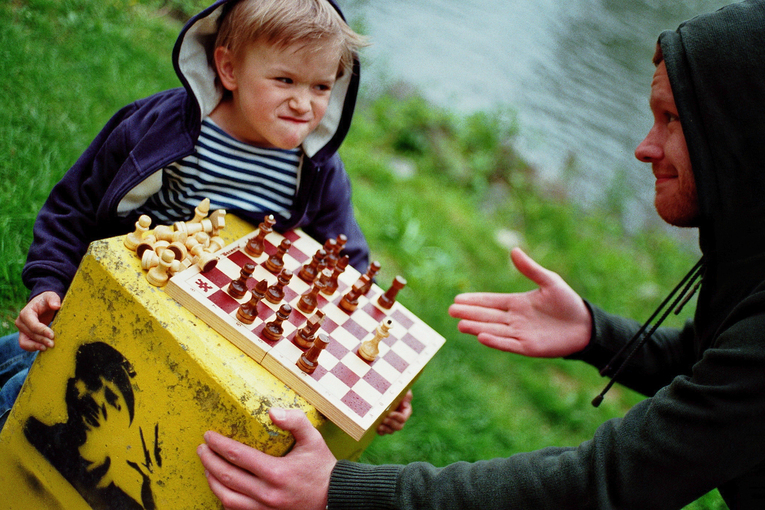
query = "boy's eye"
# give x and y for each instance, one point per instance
(288, 81)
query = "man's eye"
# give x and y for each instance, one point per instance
(671, 117)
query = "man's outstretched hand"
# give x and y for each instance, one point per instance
(550, 321)
(245, 478)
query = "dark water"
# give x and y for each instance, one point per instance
(576, 72)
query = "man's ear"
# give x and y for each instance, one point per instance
(224, 63)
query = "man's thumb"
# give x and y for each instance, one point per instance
(294, 421)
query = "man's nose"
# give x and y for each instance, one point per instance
(650, 149)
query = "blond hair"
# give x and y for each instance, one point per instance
(285, 23)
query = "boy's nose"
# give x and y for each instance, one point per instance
(300, 102)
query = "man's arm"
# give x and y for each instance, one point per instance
(550, 321)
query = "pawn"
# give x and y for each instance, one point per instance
(309, 360)
(149, 260)
(372, 270)
(275, 292)
(273, 330)
(248, 312)
(254, 246)
(158, 276)
(332, 285)
(307, 334)
(133, 239)
(238, 288)
(386, 300)
(164, 233)
(146, 244)
(204, 260)
(351, 299)
(369, 349)
(310, 300)
(275, 262)
(311, 270)
(330, 246)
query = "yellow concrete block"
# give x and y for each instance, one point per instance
(113, 414)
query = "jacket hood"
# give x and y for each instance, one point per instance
(716, 67)
(193, 67)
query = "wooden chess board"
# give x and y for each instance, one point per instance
(349, 391)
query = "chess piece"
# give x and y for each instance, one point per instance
(275, 292)
(218, 221)
(386, 300)
(310, 300)
(369, 349)
(201, 211)
(204, 260)
(254, 246)
(350, 300)
(164, 233)
(307, 334)
(275, 262)
(330, 246)
(133, 239)
(238, 288)
(342, 239)
(332, 285)
(248, 312)
(178, 249)
(216, 244)
(273, 330)
(372, 270)
(158, 276)
(309, 360)
(311, 270)
(149, 259)
(146, 244)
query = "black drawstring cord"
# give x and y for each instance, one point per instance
(680, 301)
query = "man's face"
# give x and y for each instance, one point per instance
(279, 95)
(664, 147)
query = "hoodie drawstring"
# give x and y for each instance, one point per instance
(689, 284)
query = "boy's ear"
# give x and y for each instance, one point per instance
(224, 63)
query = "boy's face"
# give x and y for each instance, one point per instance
(279, 95)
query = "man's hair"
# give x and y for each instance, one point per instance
(285, 23)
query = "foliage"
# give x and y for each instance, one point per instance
(440, 197)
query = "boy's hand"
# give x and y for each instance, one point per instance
(33, 320)
(243, 477)
(547, 322)
(396, 419)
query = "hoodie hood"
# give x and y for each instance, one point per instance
(197, 74)
(716, 68)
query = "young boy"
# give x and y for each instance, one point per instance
(269, 88)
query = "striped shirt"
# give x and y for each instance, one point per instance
(232, 174)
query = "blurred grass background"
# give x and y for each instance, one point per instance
(440, 196)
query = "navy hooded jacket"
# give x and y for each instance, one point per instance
(98, 197)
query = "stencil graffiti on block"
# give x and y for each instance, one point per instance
(93, 448)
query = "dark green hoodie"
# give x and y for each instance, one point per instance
(704, 423)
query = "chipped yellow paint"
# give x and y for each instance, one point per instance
(188, 379)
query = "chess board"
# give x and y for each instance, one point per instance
(349, 391)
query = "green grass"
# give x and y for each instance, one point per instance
(68, 65)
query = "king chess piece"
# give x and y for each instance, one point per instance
(369, 349)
